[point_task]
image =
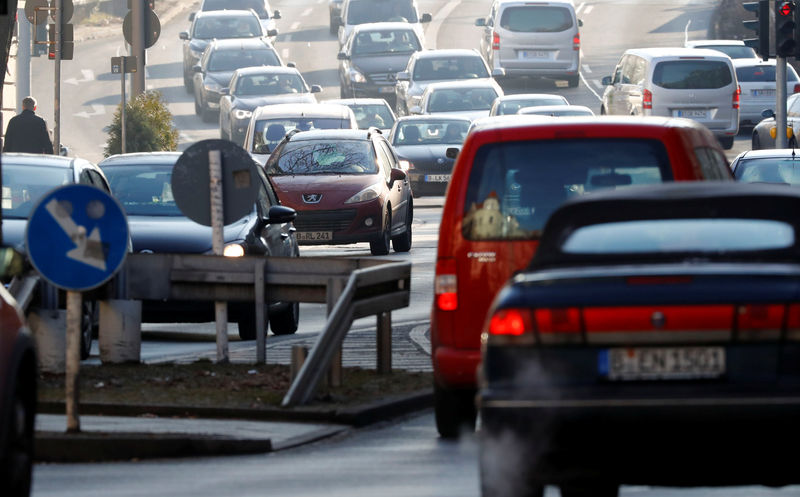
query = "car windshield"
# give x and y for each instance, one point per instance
(364, 11)
(231, 60)
(268, 84)
(784, 170)
(762, 74)
(256, 5)
(324, 157)
(24, 185)
(227, 27)
(732, 51)
(270, 132)
(461, 99)
(654, 236)
(385, 41)
(692, 74)
(143, 190)
(447, 132)
(447, 68)
(515, 186)
(372, 115)
(512, 106)
(536, 19)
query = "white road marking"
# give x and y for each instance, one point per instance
(417, 336)
(580, 7)
(586, 69)
(97, 110)
(686, 31)
(588, 9)
(88, 75)
(295, 25)
(306, 12)
(287, 37)
(432, 32)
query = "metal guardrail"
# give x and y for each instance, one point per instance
(23, 288)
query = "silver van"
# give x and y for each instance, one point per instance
(355, 12)
(533, 39)
(695, 83)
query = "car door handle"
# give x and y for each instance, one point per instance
(284, 235)
(292, 229)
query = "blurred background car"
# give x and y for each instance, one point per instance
(421, 143)
(757, 81)
(510, 104)
(470, 99)
(335, 15)
(346, 186)
(357, 12)
(431, 66)
(764, 132)
(369, 112)
(261, 7)
(735, 49)
(780, 166)
(557, 110)
(252, 87)
(142, 182)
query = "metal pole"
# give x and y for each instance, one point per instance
(57, 96)
(24, 42)
(780, 103)
(122, 109)
(333, 294)
(261, 318)
(384, 343)
(217, 244)
(137, 35)
(73, 359)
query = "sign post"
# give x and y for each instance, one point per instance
(121, 66)
(77, 238)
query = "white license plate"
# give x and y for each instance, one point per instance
(692, 113)
(314, 235)
(437, 178)
(661, 363)
(386, 89)
(534, 54)
(763, 93)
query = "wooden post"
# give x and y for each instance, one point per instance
(383, 342)
(217, 244)
(334, 291)
(73, 351)
(261, 318)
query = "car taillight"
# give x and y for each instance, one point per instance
(796, 89)
(445, 285)
(736, 96)
(567, 320)
(576, 42)
(495, 41)
(647, 99)
(514, 322)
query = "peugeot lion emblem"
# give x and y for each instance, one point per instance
(440, 161)
(312, 198)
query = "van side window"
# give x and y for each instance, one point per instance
(618, 70)
(639, 70)
(711, 163)
(628, 70)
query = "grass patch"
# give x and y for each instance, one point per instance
(206, 384)
(98, 18)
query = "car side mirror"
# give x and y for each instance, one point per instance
(183, 35)
(403, 76)
(276, 14)
(342, 56)
(498, 72)
(451, 152)
(397, 175)
(316, 89)
(480, 22)
(415, 110)
(225, 91)
(279, 214)
(426, 18)
(197, 68)
(606, 80)
(291, 64)
(191, 16)
(580, 23)
(272, 32)
(767, 113)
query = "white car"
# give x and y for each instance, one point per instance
(510, 104)
(757, 81)
(735, 49)
(471, 99)
(556, 110)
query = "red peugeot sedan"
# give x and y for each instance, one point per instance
(346, 186)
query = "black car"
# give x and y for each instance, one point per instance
(142, 184)
(216, 67)
(215, 25)
(654, 339)
(422, 143)
(372, 56)
(252, 87)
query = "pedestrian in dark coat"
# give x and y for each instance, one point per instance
(27, 132)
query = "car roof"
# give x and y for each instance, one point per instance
(303, 110)
(597, 124)
(382, 26)
(267, 70)
(677, 53)
(356, 101)
(528, 2)
(463, 83)
(733, 43)
(556, 108)
(526, 96)
(240, 43)
(48, 160)
(432, 117)
(753, 62)
(224, 13)
(140, 158)
(446, 52)
(331, 134)
(770, 152)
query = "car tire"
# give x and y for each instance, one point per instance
(402, 243)
(207, 115)
(792, 143)
(756, 142)
(198, 108)
(572, 81)
(602, 111)
(87, 329)
(342, 92)
(247, 325)
(726, 142)
(286, 321)
(224, 135)
(382, 245)
(334, 28)
(188, 84)
(455, 411)
(17, 470)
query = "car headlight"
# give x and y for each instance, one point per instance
(356, 76)
(242, 114)
(212, 86)
(233, 250)
(369, 193)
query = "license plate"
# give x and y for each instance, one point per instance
(437, 178)
(692, 113)
(763, 93)
(386, 89)
(534, 54)
(661, 363)
(308, 236)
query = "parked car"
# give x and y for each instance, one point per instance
(509, 176)
(539, 39)
(215, 25)
(26, 179)
(695, 83)
(261, 7)
(18, 376)
(372, 56)
(557, 110)
(433, 66)
(357, 12)
(220, 59)
(422, 142)
(346, 186)
(765, 131)
(780, 166)
(651, 325)
(252, 87)
(735, 49)
(270, 124)
(468, 99)
(510, 104)
(142, 182)
(369, 112)
(757, 82)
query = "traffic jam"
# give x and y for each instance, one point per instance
(609, 289)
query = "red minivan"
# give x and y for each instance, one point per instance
(511, 174)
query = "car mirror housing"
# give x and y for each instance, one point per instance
(397, 175)
(191, 16)
(225, 91)
(403, 76)
(480, 22)
(183, 35)
(580, 23)
(197, 68)
(498, 72)
(767, 113)
(426, 18)
(451, 152)
(280, 214)
(272, 32)
(291, 64)
(606, 80)
(276, 14)
(316, 89)
(342, 56)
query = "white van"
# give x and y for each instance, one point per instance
(695, 83)
(533, 39)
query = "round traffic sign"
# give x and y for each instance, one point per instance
(77, 237)
(36, 11)
(191, 181)
(67, 9)
(152, 28)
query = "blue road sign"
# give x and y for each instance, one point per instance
(77, 237)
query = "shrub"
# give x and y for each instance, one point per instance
(148, 126)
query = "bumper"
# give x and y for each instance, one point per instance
(514, 67)
(343, 225)
(371, 90)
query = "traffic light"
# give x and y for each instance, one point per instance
(785, 43)
(760, 25)
(67, 44)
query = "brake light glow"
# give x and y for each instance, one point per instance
(736, 96)
(445, 285)
(647, 99)
(495, 41)
(558, 320)
(513, 322)
(576, 42)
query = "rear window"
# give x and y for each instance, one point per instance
(385, 42)
(655, 236)
(762, 74)
(692, 74)
(536, 19)
(512, 106)
(369, 115)
(324, 157)
(227, 27)
(769, 170)
(24, 185)
(143, 190)
(256, 5)
(429, 132)
(461, 99)
(514, 187)
(364, 11)
(270, 132)
(732, 51)
(231, 60)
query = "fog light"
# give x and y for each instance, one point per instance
(368, 221)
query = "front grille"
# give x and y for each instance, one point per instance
(337, 220)
(381, 78)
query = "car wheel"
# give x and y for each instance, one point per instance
(334, 28)
(726, 142)
(402, 243)
(792, 143)
(572, 81)
(381, 246)
(589, 489)
(87, 329)
(602, 111)
(198, 109)
(342, 92)
(286, 321)
(756, 145)
(207, 115)
(17, 470)
(224, 135)
(247, 325)
(455, 411)
(188, 84)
